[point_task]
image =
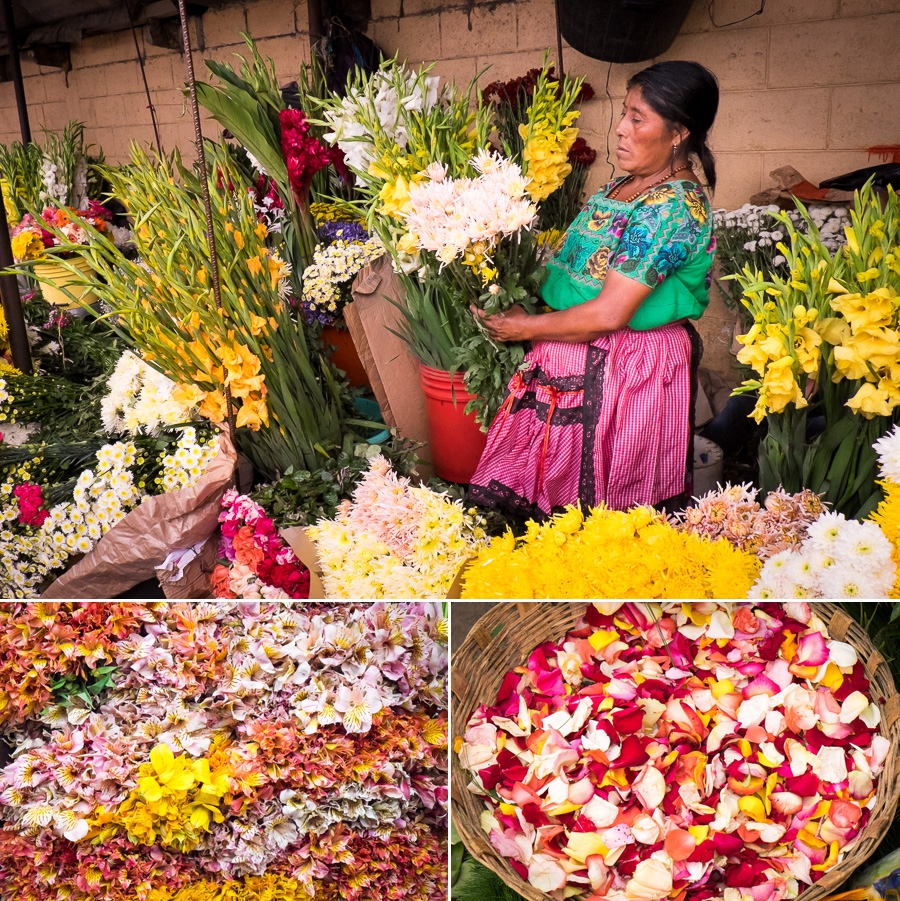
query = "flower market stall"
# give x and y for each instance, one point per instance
(642, 750)
(222, 751)
(205, 379)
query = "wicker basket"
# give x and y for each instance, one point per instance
(505, 636)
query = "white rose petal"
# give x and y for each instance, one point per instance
(871, 716)
(600, 812)
(854, 704)
(753, 711)
(720, 625)
(842, 654)
(832, 765)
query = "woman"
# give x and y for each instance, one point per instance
(601, 409)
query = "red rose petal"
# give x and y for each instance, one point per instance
(631, 754)
(628, 721)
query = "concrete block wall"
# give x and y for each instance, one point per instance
(808, 83)
(105, 88)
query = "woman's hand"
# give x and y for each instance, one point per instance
(509, 326)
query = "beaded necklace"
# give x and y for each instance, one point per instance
(613, 195)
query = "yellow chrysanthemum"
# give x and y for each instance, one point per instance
(610, 555)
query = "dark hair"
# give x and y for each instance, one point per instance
(685, 94)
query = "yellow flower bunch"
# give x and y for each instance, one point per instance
(27, 245)
(609, 554)
(864, 294)
(332, 212)
(12, 217)
(792, 318)
(784, 345)
(287, 410)
(479, 262)
(888, 517)
(549, 134)
(268, 887)
(175, 801)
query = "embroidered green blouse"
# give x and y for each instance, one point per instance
(663, 238)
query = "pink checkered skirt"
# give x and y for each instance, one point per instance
(605, 422)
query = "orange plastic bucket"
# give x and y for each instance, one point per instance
(346, 356)
(456, 439)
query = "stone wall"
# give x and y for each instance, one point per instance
(810, 83)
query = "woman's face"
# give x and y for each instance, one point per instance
(645, 140)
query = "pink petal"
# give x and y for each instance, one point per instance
(812, 650)
(779, 672)
(762, 685)
(582, 791)
(786, 802)
(798, 610)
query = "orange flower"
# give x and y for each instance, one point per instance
(221, 582)
(245, 549)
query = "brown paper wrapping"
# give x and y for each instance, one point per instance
(130, 552)
(305, 549)
(789, 183)
(392, 369)
(195, 583)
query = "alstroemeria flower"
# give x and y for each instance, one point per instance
(358, 705)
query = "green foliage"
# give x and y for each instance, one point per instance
(65, 410)
(20, 165)
(488, 365)
(81, 350)
(476, 882)
(303, 497)
(436, 321)
(73, 689)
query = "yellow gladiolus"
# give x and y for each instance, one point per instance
(870, 401)
(214, 407)
(806, 346)
(781, 387)
(753, 355)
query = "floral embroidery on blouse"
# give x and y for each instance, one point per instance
(646, 240)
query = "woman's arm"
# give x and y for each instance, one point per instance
(612, 309)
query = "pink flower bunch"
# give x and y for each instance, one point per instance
(695, 751)
(259, 561)
(410, 864)
(732, 512)
(31, 504)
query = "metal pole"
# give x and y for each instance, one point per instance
(204, 181)
(12, 303)
(12, 40)
(316, 28)
(562, 71)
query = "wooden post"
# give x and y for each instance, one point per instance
(9, 26)
(12, 303)
(9, 286)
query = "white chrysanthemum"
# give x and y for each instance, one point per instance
(888, 449)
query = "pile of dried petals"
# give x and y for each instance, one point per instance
(683, 751)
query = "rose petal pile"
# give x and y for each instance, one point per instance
(684, 751)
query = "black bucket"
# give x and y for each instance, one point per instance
(622, 31)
